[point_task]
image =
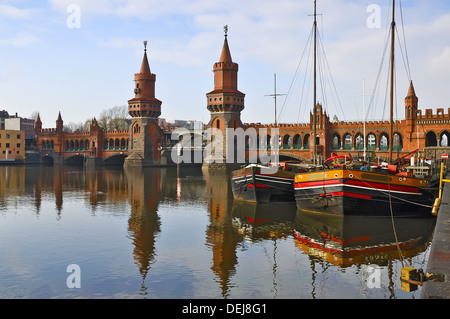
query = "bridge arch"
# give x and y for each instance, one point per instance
(115, 159)
(286, 156)
(47, 159)
(75, 159)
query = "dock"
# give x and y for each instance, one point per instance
(439, 259)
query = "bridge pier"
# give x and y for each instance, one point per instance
(92, 161)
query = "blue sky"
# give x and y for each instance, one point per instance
(48, 66)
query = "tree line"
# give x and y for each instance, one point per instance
(115, 118)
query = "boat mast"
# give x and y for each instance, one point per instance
(314, 106)
(275, 96)
(391, 142)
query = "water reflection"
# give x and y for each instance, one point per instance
(220, 235)
(185, 236)
(264, 221)
(144, 195)
(349, 240)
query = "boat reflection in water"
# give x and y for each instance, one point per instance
(344, 241)
(264, 220)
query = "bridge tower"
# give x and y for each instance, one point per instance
(144, 108)
(225, 103)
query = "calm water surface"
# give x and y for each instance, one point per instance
(156, 233)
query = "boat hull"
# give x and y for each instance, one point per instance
(252, 184)
(347, 192)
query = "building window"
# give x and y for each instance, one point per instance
(18, 136)
(18, 144)
(8, 136)
(7, 145)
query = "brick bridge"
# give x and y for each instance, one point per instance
(148, 144)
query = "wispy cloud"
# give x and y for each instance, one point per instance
(22, 39)
(13, 13)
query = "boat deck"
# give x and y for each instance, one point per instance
(439, 260)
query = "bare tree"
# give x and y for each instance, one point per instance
(72, 127)
(114, 118)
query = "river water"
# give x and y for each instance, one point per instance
(163, 233)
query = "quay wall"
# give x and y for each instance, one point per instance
(439, 259)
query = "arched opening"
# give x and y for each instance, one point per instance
(384, 142)
(336, 142)
(397, 142)
(47, 160)
(348, 141)
(359, 141)
(74, 160)
(287, 141)
(306, 141)
(297, 141)
(371, 142)
(115, 159)
(430, 139)
(444, 139)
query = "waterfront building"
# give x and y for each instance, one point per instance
(12, 145)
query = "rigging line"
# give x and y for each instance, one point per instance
(404, 40)
(307, 96)
(377, 80)
(403, 57)
(402, 258)
(296, 73)
(374, 97)
(332, 80)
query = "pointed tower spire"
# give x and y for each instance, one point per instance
(38, 124)
(225, 56)
(411, 91)
(145, 67)
(59, 119)
(411, 103)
